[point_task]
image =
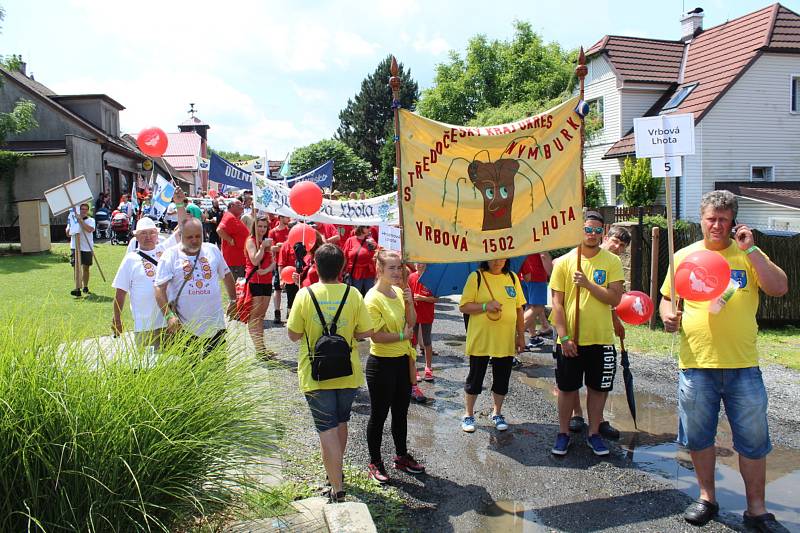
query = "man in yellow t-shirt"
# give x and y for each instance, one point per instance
(591, 358)
(718, 361)
(330, 400)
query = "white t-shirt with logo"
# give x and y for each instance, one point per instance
(200, 302)
(87, 237)
(136, 276)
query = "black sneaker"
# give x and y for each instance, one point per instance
(577, 424)
(700, 512)
(75, 292)
(277, 320)
(608, 431)
(765, 523)
(515, 363)
(86, 290)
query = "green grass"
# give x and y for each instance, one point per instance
(303, 473)
(43, 281)
(100, 444)
(778, 345)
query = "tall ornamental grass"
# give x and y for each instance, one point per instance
(95, 442)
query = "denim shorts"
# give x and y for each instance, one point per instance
(745, 398)
(331, 407)
(535, 292)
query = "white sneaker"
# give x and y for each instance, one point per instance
(468, 424)
(500, 422)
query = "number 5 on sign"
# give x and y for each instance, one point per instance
(666, 166)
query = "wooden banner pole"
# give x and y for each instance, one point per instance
(654, 255)
(580, 71)
(79, 275)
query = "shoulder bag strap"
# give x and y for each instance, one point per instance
(355, 258)
(339, 311)
(319, 311)
(185, 281)
(147, 257)
(491, 294)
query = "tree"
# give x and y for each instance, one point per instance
(364, 120)
(639, 187)
(498, 74)
(350, 172)
(231, 156)
(594, 192)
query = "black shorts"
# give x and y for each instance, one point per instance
(261, 289)
(595, 365)
(86, 258)
(501, 374)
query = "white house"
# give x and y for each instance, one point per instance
(741, 80)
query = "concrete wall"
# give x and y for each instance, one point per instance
(85, 161)
(33, 176)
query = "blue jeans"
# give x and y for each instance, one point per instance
(745, 398)
(330, 407)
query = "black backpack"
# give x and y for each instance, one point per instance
(513, 280)
(331, 356)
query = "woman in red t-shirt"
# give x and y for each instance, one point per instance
(278, 233)
(424, 301)
(258, 271)
(359, 252)
(533, 277)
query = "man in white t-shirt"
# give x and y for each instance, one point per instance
(189, 274)
(171, 216)
(136, 276)
(82, 225)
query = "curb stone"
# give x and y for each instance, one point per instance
(349, 517)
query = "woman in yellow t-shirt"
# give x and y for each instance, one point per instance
(494, 300)
(388, 372)
(329, 399)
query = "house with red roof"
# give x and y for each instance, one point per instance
(741, 80)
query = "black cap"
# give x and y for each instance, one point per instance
(593, 215)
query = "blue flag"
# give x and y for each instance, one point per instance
(322, 176)
(226, 173)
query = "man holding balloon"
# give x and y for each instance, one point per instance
(718, 278)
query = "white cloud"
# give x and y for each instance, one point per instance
(435, 45)
(310, 94)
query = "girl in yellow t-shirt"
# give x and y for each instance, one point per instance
(388, 372)
(494, 300)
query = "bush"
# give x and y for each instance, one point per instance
(594, 192)
(639, 187)
(92, 444)
(661, 222)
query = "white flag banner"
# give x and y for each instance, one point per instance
(273, 197)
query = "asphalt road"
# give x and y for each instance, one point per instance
(509, 481)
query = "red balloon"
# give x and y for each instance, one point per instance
(286, 274)
(302, 232)
(635, 308)
(152, 141)
(702, 276)
(305, 198)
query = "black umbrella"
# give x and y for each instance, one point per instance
(627, 377)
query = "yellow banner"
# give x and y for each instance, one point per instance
(478, 193)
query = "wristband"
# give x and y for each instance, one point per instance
(179, 205)
(565, 338)
(402, 337)
(169, 315)
(484, 308)
(752, 249)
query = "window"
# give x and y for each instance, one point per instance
(679, 96)
(595, 119)
(619, 188)
(761, 173)
(795, 94)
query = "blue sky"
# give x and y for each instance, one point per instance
(272, 75)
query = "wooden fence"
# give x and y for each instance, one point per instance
(784, 251)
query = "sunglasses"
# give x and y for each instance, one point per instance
(588, 230)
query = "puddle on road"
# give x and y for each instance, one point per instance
(654, 450)
(511, 516)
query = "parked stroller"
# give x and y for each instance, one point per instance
(102, 228)
(120, 228)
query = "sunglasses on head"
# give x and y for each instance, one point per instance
(596, 229)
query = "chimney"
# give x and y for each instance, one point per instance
(691, 24)
(22, 67)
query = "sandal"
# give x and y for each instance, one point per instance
(700, 512)
(765, 523)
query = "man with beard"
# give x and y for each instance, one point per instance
(188, 275)
(590, 359)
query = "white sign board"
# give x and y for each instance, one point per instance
(389, 237)
(68, 195)
(666, 166)
(664, 135)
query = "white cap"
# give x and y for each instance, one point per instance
(144, 223)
